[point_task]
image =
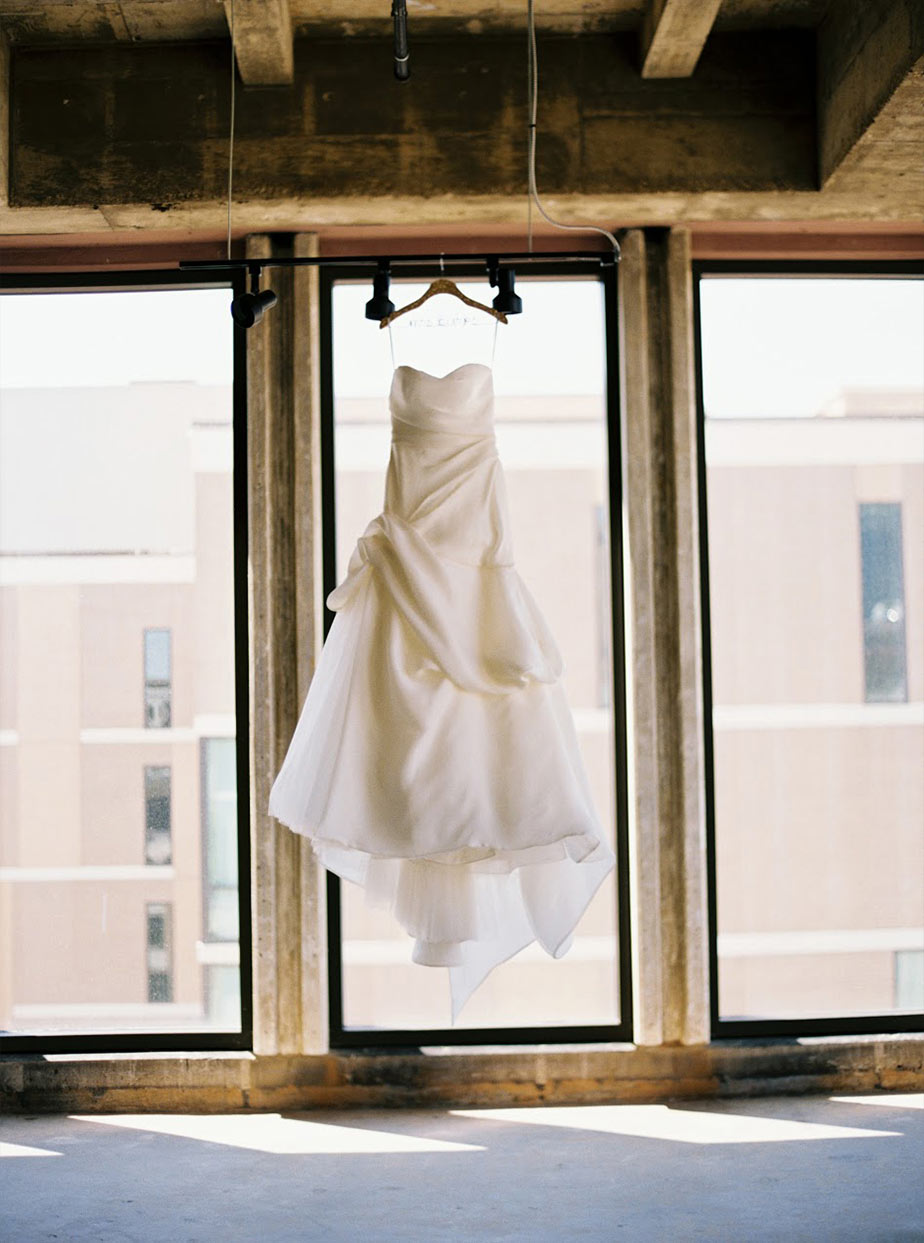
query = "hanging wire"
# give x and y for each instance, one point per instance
(530, 137)
(533, 196)
(231, 128)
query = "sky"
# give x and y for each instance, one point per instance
(771, 346)
(776, 346)
(80, 340)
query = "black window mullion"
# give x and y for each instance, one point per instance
(760, 1028)
(129, 1042)
(341, 1036)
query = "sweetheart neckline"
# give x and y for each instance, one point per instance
(448, 375)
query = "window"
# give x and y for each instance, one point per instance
(909, 980)
(604, 607)
(555, 423)
(157, 844)
(160, 951)
(157, 679)
(883, 603)
(122, 558)
(813, 415)
(220, 838)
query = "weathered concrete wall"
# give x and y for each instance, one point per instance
(120, 125)
(668, 844)
(208, 1083)
(871, 88)
(287, 883)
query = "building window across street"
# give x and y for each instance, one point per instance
(157, 841)
(157, 679)
(160, 951)
(884, 667)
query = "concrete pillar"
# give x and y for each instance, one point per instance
(667, 804)
(289, 910)
(4, 121)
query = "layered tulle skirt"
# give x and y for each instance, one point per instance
(435, 761)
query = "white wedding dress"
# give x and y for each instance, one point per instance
(435, 760)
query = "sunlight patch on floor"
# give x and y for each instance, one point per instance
(895, 1100)
(273, 1133)
(683, 1125)
(23, 1150)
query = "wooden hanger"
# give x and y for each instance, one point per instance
(444, 285)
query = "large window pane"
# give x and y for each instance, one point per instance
(552, 441)
(814, 446)
(116, 658)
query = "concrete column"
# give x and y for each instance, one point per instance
(4, 121)
(667, 804)
(309, 613)
(289, 914)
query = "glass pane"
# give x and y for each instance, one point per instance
(116, 615)
(157, 844)
(552, 441)
(224, 997)
(157, 713)
(909, 980)
(157, 655)
(883, 602)
(219, 766)
(814, 440)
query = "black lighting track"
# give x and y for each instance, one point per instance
(604, 258)
(247, 309)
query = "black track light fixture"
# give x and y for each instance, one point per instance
(380, 304)
(507, 299)
(247, 309)
(402, 56)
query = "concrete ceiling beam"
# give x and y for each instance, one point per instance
(870, 87)
(136, 136)
(263, 44)
(674, 33)
(128, 124)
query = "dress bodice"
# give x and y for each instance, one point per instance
(443, 475)
(459, 403)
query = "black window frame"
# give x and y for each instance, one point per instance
(141, 280)
(735, 1029)
(342, 1037)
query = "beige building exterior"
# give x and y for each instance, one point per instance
(819, 780)
(116, 521)
(128, 529)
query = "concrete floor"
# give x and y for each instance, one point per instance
(793, 1169)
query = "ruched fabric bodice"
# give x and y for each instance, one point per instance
(435, 760)
(461, 402)
(444, 476)
(442, 543)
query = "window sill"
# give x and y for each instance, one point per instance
(212, 1082)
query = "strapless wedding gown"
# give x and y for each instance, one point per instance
(435, 761)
